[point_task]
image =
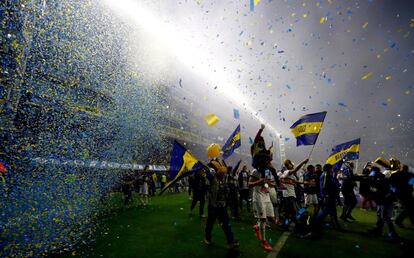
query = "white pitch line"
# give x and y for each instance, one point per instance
(279, 245)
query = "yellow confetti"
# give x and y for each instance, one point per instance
(412, 23)
(407, 92)
(378, 56)
(365, 25)
(389, 77)
(293, 14)
(269, 84)
(305, 15)
(323, 19)
(389, 99)
(367, 76)
(211, 119)
(318, 4)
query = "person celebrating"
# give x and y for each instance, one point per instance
(262, 204)
(244, 191)
(258, 146)
(347, 188)
(289, 179)
(217, 197)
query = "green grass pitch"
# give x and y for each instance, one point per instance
(165, 229)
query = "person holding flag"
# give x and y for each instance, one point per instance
(289, 179)
(341, 159)
(182, 164)
(217, 197)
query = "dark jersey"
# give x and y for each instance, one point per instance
(312, 179)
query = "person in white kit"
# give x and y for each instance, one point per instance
(289, 179)
(143, 187)
(262, 204)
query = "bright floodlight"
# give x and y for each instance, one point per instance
(184, 48)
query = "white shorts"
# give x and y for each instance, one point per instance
(263, 210)
(311, 199)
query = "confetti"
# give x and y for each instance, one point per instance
(236, 113)
(99, 87)
(367, 76)
(211, 119)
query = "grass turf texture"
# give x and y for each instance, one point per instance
(165, 229)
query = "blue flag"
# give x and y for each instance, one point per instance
(182, 164)
(307, 128)
(232, 143)
(348, 150)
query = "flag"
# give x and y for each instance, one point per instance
(211, 119)
(348, 150)
(182, 164)
(307, 128)
(253, 3)
(232, 143)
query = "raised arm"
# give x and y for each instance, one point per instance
(296, 169)
(259, 133)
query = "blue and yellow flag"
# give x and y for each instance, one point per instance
(232, 143)
(182, 164)
(348, 150)
(307, 128)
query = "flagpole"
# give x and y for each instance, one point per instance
(313, 147)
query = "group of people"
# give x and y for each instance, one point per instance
(301, 195)
(145, 183)
(284, 197)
